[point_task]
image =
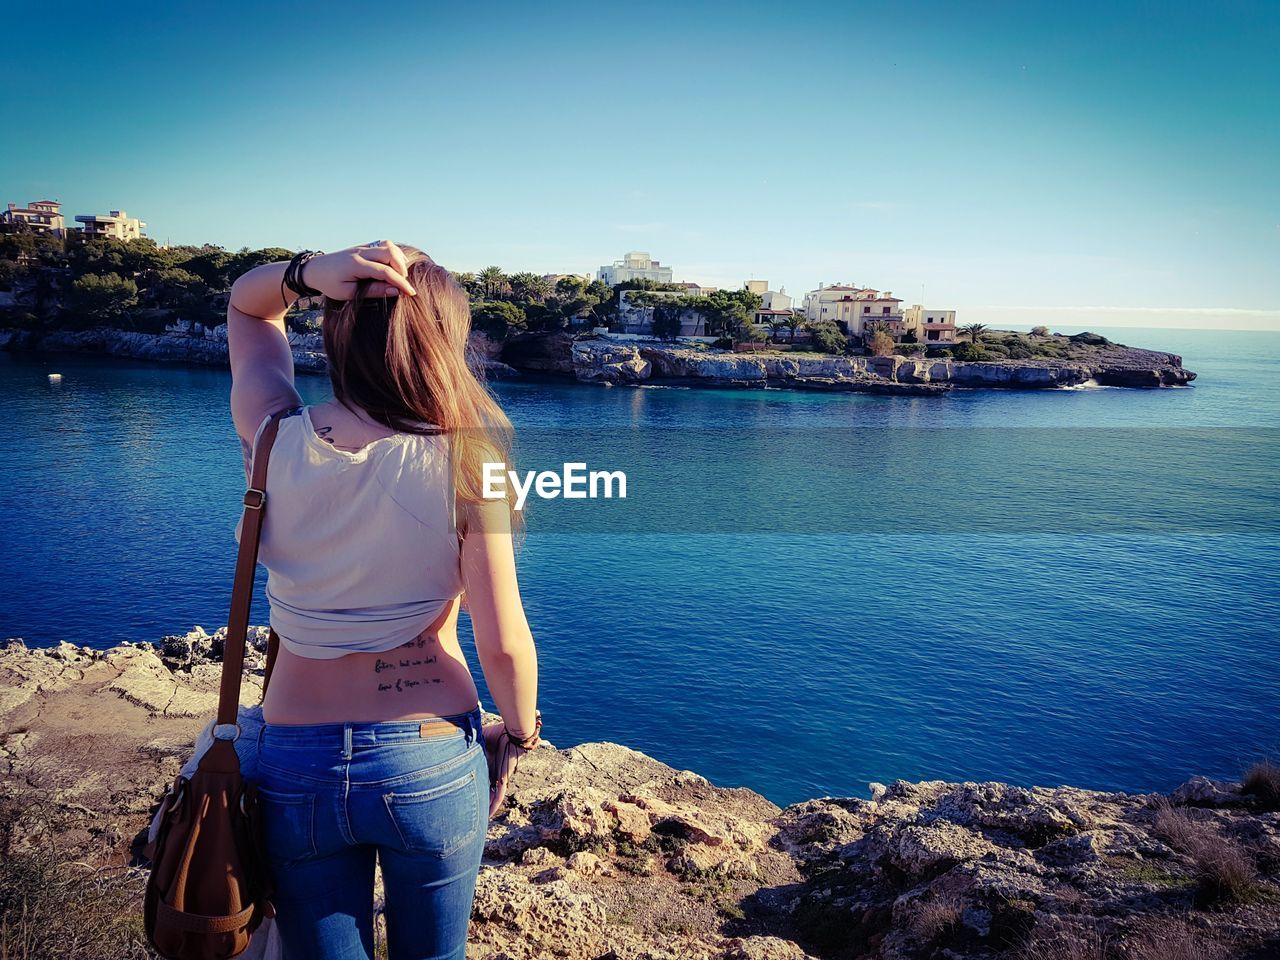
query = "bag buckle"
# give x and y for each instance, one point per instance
(255, 499)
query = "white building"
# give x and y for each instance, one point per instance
(769, 299)
(777, 300)
(930, 325)
(40, 216)
(636, 265)
(117, 225)
(851, 308)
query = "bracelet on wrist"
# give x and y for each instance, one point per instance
(293, 275)
(529, 741)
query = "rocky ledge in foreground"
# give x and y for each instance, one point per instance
(605, 853)
(617, 361)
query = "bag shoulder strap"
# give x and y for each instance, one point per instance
(255, 507)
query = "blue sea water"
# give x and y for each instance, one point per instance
(802, 592)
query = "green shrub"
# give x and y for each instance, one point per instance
(910, 349)
(827, 337)
(498, 318)
(1040, 331)
(970, 352)
(1092, 339)
(939, 353)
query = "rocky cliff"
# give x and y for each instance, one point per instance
(193, 345)
(607, 360)
(604, 853)
(612, 361)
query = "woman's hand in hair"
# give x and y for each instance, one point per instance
(337, 274)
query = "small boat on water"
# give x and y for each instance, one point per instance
(55, 378)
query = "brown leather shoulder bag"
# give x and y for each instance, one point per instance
(209, 887)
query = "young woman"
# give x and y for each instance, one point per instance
(376, 529)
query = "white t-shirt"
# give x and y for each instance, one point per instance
(361, 549)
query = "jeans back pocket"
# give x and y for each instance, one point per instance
(288, 825)
(438, 821)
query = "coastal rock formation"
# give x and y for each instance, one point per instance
(610, 360)
(205, 347)
(604, 852)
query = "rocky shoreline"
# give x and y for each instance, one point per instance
(605, 853)
(606, 360)
(208, 348)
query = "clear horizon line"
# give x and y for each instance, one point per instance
(1234, 311)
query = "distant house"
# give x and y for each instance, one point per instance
(554, 278)
(40, 216)
(117, 225)
(931, 325)
(770, 299)
(852, 308)
(695, 289)
(636, 265)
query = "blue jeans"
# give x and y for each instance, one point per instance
(335, 795)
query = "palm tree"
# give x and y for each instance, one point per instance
(793, 323)
(876, 326)
(468, 282)
(529, 286)
(776, 326)
(974, 330)
(493, 280)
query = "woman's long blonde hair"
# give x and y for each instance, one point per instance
(406, 361)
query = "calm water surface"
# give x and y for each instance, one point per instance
(1059, 587)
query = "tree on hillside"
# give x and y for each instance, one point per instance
(651, 285)
(102, 297)
(173, 286)
(211, 264)
(574, 297)
(974, 331)
(143, 254)
(244, 259)
(498, 318)
(96, 255)
(729, 313)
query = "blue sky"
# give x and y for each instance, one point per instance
(1074, 163)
